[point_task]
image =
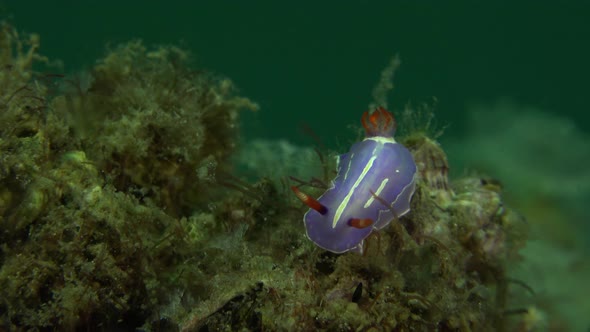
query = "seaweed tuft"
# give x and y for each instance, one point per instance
(154, 126)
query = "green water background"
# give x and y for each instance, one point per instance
(317, 61)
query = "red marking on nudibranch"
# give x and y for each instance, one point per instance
(360, 223)
(378, 123)
(309, 201)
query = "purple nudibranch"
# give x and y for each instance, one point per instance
(374, 186)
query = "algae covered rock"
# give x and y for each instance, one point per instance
(99, 183)
(118, 212)
(444, 266)
(149, 122)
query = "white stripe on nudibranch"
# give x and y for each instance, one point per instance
(381, 139)
(348, 167)
(346, 199)
(379, 190)
(397, 214)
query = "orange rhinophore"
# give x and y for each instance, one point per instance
(360, 223)
(309, 201)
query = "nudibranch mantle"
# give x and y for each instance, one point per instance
(374, 185)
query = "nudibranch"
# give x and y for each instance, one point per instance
(374, 185)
